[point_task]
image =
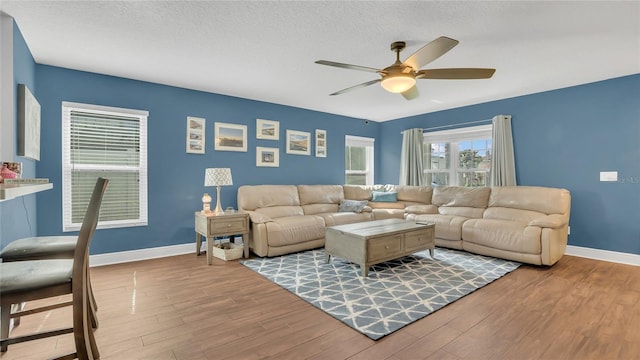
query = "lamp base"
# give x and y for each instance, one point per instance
(218, 210)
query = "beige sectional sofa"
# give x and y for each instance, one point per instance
(522, 223)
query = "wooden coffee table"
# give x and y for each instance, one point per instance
(372, 242)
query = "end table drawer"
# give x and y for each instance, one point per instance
(419, 239)
(384, 247)
(227, 226)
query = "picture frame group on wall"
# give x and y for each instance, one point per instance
(298, 142)
(195, 135)
(267, 157)
(230, 137)
(321, 143)
(267, 129)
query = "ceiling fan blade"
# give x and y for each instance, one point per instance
(430, 52)
(411, 93)
(347, 66)
(456, 73)
(356, 87)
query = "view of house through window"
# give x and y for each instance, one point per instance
(460, 157)
(104, 142)
(358, 160)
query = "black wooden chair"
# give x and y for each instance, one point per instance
(29, 280)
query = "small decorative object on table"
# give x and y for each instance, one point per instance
(206, 203)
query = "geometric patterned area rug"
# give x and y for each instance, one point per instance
(395, 294)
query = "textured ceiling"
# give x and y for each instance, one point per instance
(266, 50)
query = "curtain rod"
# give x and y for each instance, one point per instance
(452, 125)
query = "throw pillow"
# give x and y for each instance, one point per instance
(382, 196)
(352, 205)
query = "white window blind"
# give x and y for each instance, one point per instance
(111, 143)
(359, 152)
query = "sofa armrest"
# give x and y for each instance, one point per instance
(258, 218)
(553, 221)
(367, 209)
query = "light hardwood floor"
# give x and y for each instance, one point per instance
(180, 308)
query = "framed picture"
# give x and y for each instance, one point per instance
(266, 156)
(321, 143)
(28, 124)
(230, 137)
(267, 129)
(298, 142)
(195, 135)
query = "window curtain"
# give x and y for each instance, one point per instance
(411, 165)
(503, 165)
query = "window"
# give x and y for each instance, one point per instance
(108, 142)
(358, 160)
(460, 157)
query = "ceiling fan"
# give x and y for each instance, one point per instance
(401, 77)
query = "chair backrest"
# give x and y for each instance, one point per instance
(83, 332)
(89, 224)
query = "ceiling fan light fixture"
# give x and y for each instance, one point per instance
(398, 83)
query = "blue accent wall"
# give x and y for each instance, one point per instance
(18, 216)
(563, 138)
(176, 178)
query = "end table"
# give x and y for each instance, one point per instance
(227, 224)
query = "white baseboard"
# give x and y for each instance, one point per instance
(173, 250)
(142, 254)
(604, 255)
(150, 253)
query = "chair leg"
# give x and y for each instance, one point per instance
(93, 305)
(92, 298)
(92, 313)
(4, 326)
(81, 327)
(17, 307)
(93, 344)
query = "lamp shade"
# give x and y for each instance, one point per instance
(398, 83)
(217, 177)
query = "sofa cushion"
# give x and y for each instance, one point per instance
(421, 209)
(341, 218)
(465, 211)
(294, 229)
(505, 235)
(386, 205)
(314, 209)
(461, 196)
(252, 197)
(280, 211)
(414, 194)
(541, 199)
(381, 214)
(448, 227)
(352, 205)
(510, 214)
(359, 192)
(320, 194)
(381, 196)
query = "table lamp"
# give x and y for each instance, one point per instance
(218, 177)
